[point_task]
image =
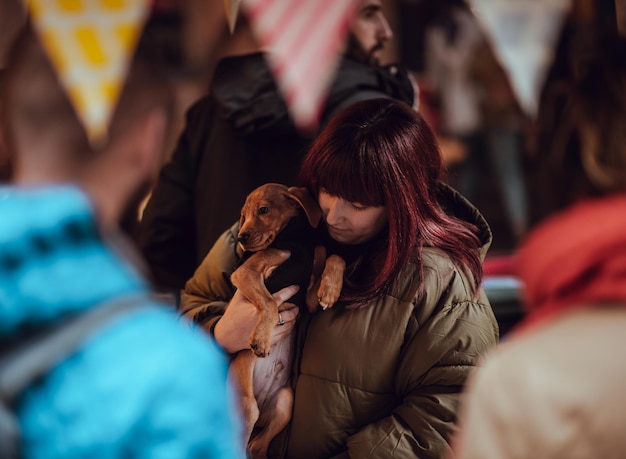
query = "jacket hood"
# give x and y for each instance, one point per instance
(357, 81)
(244, 89)
(52, 258)
(455, 204)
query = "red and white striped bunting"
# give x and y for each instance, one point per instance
(304, 39)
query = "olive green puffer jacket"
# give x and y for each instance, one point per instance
(378, 382)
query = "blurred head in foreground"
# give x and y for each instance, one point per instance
(48, 143)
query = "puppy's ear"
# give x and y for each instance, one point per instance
(310, 206)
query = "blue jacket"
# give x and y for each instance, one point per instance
(145, 384)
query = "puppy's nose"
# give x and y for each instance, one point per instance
(243, 237)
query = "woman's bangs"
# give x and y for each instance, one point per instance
(344, 175)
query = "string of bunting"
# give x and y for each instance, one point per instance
(91, 42)
(523, 35)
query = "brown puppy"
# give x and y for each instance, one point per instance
(266, 396)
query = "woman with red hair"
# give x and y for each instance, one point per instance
(383, 156)
(379, 374)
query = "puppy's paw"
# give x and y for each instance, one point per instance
(257, 449)
(331, 281)
(328, 294)
(260, 347)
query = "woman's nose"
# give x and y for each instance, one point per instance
(334, 213)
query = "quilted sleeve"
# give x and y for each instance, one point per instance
(438, 358)
(209, 290)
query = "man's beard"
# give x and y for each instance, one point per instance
(356, 52)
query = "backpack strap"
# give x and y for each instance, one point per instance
(31, 357)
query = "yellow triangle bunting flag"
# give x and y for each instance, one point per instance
(90, 44)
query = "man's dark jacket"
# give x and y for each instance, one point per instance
(237, 138)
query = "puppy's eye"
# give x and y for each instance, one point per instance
(263, 210)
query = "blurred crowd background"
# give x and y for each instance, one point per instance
(464, 90)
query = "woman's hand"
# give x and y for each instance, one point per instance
(232, 331)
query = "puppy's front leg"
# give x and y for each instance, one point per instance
(250, 279)
(312, 298)
(332, 281)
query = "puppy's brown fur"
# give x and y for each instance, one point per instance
(266, 212)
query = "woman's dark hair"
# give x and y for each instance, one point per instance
(581, 134)
(380, 152)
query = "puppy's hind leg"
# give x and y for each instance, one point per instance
(277, 420)
(241, 372)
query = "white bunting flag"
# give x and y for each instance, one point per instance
(523, 34)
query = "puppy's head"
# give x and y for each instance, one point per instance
(265, 213)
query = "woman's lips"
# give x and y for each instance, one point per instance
(334, 229)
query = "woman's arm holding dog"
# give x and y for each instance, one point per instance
(232, 331)
(206, 294)
(210, 299)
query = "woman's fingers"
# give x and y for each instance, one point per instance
(232, 331)
(287, 313)
(284, 294)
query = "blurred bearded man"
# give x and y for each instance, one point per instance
(369, 33)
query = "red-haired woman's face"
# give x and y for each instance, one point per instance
(351, 222)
